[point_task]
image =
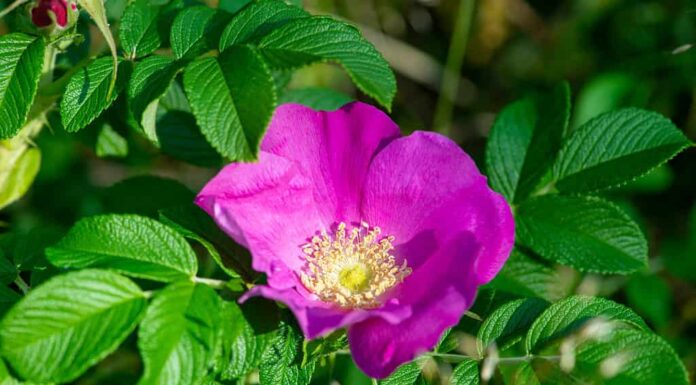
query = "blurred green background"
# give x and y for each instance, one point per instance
(614, 53)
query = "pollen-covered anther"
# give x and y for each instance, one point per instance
(352, 269)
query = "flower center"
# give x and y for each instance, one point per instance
(354, 278)
(352, 269)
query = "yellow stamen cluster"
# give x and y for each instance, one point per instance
(352, 269)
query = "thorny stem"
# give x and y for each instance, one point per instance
(455, 59)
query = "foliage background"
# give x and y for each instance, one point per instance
(615, 53)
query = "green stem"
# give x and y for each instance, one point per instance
(214, 283)
(22, 285)
(503, 360)
(455, 59)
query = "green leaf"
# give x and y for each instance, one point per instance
(26, 249)
(146, 195)
(8, 271)
(21, 62)
(589, 234)
(308, 40)
(406, 374)
(607, 92)
(111, 143)
(178, 336)
(138, 29)
(257, 20)
(130, 244)
(615, 148)
(8, 297)
(524, 276)
(86, 94)
(151, 79)
(16, 179)
(193, 223)
(568, 315)
(281, 363)
(508, 144)
(233, 6)
(321, 347)
(70, 323)
(195, 31)
(180, 137)
(466, 373)
(324, 99)
(632, 357)
(524, 141)
(247, 333)
(508, 322)
(233, 99)
(96, 10)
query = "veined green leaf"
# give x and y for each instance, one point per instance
(95, 9)
(151, 79)
(70, 323)
(193, 223)
(307, 40)
(632, 357)
(615, 148)
(466, 373)
(195, 31)
(257, 20)
(525, 276)
(406, 374)
(507, 322)
(589, 234)
(281, 364)
(130, 244)
(233, 98)
(138, 29)
(178, 335)
(86, 94)
(570, 314)
(508, 144)
(524, 141)
(247, 333)
(21, 62)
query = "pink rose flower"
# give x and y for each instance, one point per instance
(356, 226)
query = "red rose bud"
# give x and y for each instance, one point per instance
(60, 14)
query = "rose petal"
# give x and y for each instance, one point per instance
(333, 149)
(318, 318)
(266, 206)
(379, 347)
(424, 185)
